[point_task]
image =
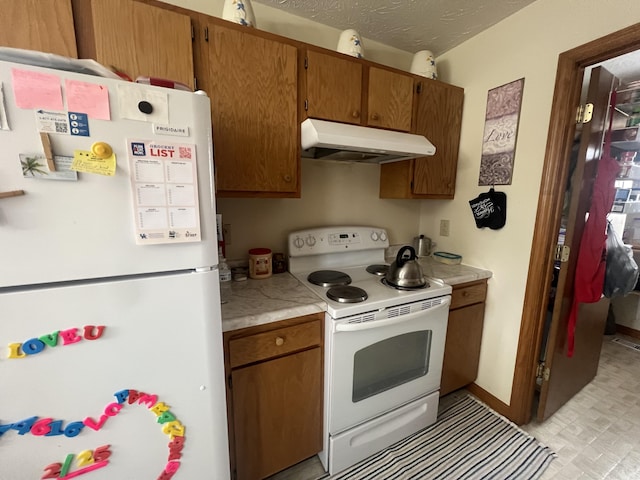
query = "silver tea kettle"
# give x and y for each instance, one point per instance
(406, 272)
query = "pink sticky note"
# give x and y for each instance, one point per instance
(36, 89)
(89, 98)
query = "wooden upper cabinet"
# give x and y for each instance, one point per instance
(252, 81)
(343, 89)
(334, 87)
(43, 25)
(438, 116)
(390, 99)
(135, 38)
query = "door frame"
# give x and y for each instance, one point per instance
(566, 97)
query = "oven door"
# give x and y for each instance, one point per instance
(385, 359)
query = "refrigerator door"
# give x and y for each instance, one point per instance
(68, 230)
(121, 379)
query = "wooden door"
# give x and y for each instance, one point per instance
(43, 25)
(252, 82)
(334, 88)
(390, 100)
(135, 38)
(567, 376)
(277, 408)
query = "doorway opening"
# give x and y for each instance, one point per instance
(568, 88)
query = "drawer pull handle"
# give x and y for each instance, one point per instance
(279, 341)
(355, 114)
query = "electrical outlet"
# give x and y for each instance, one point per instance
(226, 233)
(444, 228)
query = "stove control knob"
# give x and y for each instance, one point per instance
(383, 236)
(311, 241)
(298, 242)
(374, 236)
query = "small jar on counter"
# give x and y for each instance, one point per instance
(260, 263)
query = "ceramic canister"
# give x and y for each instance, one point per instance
(349, 43)
(260, 263)
(239, 11)
(424, 64)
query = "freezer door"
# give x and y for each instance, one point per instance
(67, 230)
(124, 379)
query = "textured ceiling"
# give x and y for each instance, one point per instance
(409, 25)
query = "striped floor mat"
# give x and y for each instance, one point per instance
(469, 441)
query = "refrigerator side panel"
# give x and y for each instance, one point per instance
(122, 378)
(86, 228)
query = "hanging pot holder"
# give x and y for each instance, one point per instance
(490, 209)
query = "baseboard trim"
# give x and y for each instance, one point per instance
(491, 401)
(632, 332)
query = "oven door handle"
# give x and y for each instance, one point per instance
(355, 327)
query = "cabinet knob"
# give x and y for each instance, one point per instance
(279, 341)
(355, 114)
(375, 116)
(287, 178)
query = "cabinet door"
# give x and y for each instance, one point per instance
(135, 38)
(462, 348)
(252, 82)
(43, 25)
(390, 100)
(334, 88)
(277, 411)
(439, 118)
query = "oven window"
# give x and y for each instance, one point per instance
(390, 363)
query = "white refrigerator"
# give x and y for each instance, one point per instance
(111, 362)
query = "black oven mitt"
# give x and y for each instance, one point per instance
(490, 209)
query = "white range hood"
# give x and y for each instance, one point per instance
(325, 140)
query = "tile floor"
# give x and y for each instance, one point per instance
(596, 435)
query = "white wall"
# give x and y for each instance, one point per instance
(527, 45)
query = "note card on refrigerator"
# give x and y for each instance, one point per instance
(164, 181)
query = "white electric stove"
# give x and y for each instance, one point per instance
(383, 346)
(359, 253)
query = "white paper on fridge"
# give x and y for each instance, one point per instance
(131, 98)
(164, 181)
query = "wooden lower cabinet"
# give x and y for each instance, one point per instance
(275, 395)
(464, 336)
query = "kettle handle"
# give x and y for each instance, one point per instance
(400, 259)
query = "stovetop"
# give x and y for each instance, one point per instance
(350, 250)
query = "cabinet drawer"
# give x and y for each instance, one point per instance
(262, 346)
(468, 295)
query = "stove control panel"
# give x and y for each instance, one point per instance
(343, 238)
(336, 239)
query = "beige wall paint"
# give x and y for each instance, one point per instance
(527, 45)
(332, 194)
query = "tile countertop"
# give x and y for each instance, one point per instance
(257, 302)
(452, 274)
